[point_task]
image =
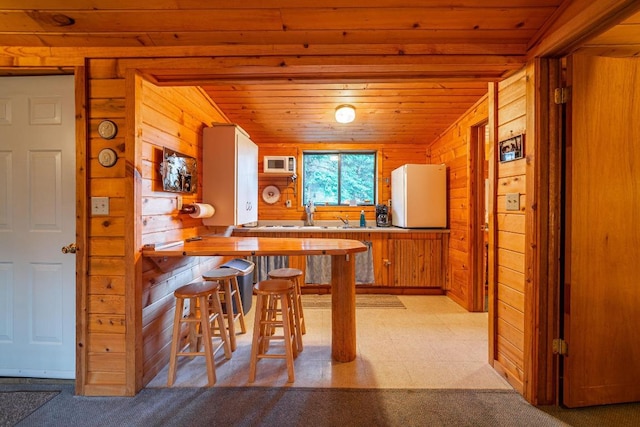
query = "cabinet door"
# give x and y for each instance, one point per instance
(247, 180)
(416, 262)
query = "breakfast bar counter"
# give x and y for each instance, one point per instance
(343, 293)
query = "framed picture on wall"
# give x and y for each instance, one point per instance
(512, 148)
(179, 172)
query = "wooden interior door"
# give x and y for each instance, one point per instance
(602, 244)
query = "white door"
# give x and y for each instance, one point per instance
(247, 179)
(37, 218)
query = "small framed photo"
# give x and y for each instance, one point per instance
(179, 172)
(512, 148)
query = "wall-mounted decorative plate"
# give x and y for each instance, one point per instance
(107, 129)
(107, 157)
(270, 194)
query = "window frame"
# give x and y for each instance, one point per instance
(340, 153)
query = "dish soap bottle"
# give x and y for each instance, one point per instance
(363, 221)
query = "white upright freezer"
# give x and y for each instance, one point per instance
(419, 196)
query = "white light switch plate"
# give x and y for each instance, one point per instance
(513, 201)
(99, 206)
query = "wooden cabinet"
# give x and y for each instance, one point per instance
(403, 261)
(417, 262)
(230, 175)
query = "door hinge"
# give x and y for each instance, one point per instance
(560, 347)
(562, 95)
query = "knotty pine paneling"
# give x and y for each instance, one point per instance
(510, 234)
(388, 160)
(452, 149)
(172, 117)
(105, 323)
(104, 343)
(106, 246)
(390, 38)
(106, 285)
(511, 279)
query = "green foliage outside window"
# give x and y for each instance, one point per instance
(339, 178)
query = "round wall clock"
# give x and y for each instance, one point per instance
(107, 129)
(107, 157)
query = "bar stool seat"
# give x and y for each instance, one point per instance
(205, 310)
(270, 294)
(294, 275)
(230, 296)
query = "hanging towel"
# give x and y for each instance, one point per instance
(319, 268)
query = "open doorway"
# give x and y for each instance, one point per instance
(479, 227)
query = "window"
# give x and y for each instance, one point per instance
(339, 178)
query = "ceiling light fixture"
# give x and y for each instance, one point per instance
(345, 114)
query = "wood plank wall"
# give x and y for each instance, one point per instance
(389, 156)
(452, 148)
(510, 237)
(116, 334)
(105, 346)
(170, 117)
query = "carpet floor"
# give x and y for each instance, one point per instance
(278, 406)
(16, 405)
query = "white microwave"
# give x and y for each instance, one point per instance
(279, 164)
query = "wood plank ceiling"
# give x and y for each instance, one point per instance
(279, 68)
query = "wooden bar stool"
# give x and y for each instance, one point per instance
(230, 295)
(270, 294)
(294, 275)
(202, 296)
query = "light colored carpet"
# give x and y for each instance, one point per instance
(362, 301)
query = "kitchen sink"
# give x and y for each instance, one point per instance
(311, 227)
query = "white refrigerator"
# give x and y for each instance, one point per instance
(419, 196)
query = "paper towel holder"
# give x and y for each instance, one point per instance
(198, 210)
(187, 209)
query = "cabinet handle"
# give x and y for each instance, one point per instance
(386, 262)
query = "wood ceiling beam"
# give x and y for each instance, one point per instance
(105, 5)
(576, 22)
(273, 19)
(200, 70)
(141, 46)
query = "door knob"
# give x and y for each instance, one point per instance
(69, 249)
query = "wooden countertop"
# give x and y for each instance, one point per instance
(343, 282)
(246, 246)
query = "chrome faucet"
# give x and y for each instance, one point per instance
(344, 220)
(309, 209)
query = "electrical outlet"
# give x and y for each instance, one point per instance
(512, 201)
(288, 203)
(99, 206)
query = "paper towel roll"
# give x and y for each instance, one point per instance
(202, 210)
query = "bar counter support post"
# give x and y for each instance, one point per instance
(343, 308)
